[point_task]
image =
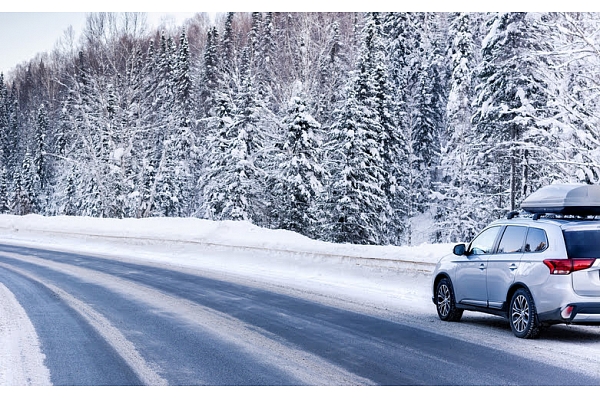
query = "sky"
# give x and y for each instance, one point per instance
(36, 26)
(30, 33)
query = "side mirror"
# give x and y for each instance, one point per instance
(460, 249)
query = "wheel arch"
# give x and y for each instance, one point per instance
(438, 278)
(511, 291)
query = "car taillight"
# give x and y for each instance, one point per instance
(565, 267)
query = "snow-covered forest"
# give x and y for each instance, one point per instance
(341, 126)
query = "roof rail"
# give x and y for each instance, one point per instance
(537, 216)
(512, 214)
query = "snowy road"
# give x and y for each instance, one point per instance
(185, 301)
(110, 322)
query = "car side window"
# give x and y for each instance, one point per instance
(512, 239)
(484, 242)
(536, 240)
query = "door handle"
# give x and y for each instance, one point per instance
(512, 267)
(482, 266)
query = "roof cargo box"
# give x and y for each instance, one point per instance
(565, 199)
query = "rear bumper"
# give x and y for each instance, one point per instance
(582, 313)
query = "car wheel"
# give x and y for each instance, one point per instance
(523, 315)
(446, 302)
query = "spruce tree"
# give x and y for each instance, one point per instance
(455, 212)
(506, 103)
(359, 208)
(301, 174)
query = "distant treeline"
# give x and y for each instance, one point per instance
(344, 127)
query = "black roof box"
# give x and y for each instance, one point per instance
(565, 199)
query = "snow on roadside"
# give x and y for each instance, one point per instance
(385, 274)
(193, 230)
(21, 360)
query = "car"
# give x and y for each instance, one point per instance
(536, 267)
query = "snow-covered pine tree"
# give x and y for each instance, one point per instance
(213, 181)
(11, 135)
(227, 48)
(39, 156)
(394, 154)
(254, 39)
(508, 99)
(300, 171)
(174, 178)
(568, 63)
(185, 106)
(211, 72)
(455, 211)
(25, 199)
(4, 121)
(150, 134)
(359, 209)
(4, 200)
(237, 141)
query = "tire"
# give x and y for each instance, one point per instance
(446, 302)
(522, 315)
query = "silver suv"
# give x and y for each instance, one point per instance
(539, 269)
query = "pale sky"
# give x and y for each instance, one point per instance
(34, 26)
(24, 34)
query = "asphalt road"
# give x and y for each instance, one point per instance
(105, 322)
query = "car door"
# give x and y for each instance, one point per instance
(470, 279)
(503, 263)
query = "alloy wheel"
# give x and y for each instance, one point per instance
(443, 300)
(520, 313)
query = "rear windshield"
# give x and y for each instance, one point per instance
(583, 244)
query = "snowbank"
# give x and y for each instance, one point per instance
(53, 230)
(22, 362)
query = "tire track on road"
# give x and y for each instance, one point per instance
(305, 366)
(102, 325)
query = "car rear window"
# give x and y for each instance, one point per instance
(512, 239)
(536, 240)
(583, 243)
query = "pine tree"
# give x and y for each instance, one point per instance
(211, 72)
(227, 44)
(506, 104)
(455, 210)
(217, 168)
(4, 121)
(26, 199)
(4, 201)
(301, 171)
(39, 157)
(237, 141)
(174, 178)
(359, 207)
